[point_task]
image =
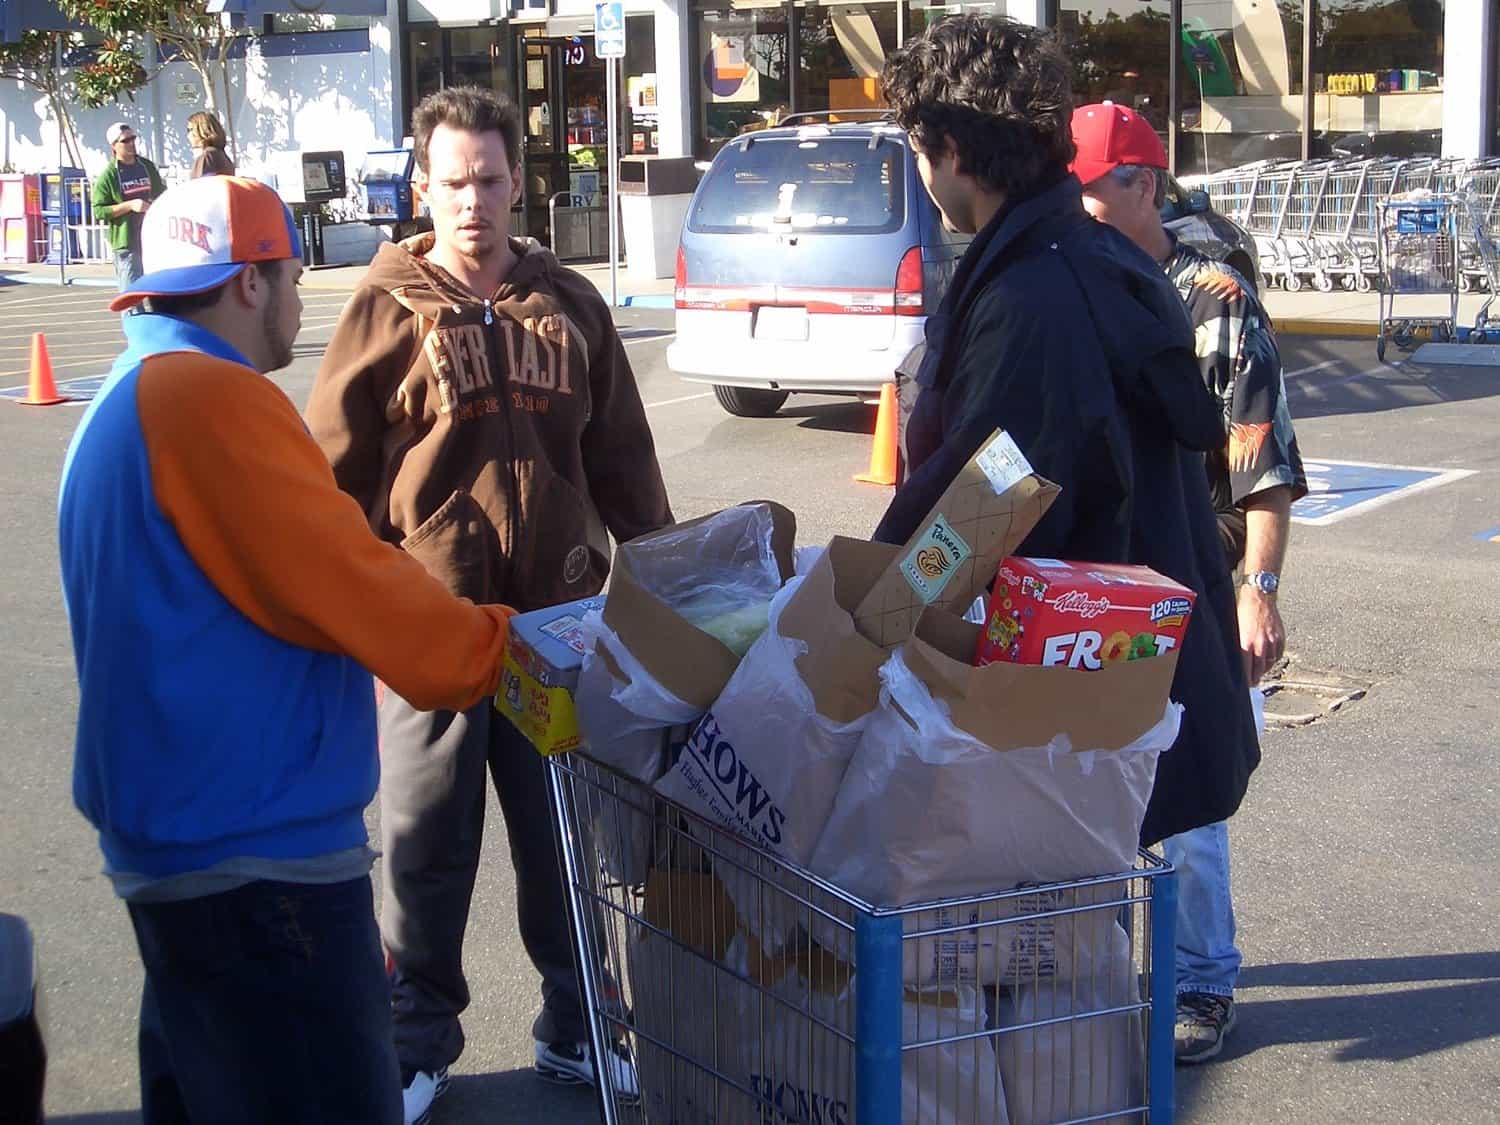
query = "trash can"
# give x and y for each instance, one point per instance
(655, 192)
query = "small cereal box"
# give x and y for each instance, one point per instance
(1081, 615)
(542, 660)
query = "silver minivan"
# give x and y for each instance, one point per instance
(809, 260)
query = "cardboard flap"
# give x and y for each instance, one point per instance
(840, 666)
(1014, 706)
(685, 660)
(986, 512)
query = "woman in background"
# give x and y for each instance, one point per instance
(207, 137)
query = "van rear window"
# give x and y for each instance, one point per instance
(822, 185)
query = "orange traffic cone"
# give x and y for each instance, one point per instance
(883, 453)
(43, 389)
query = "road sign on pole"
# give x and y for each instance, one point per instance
(609, 29)
(609, 45)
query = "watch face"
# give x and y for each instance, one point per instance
(1264, 581)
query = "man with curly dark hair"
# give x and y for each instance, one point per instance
(1064, 333)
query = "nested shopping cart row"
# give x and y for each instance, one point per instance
(1317, 223)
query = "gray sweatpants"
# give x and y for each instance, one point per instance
(432, 802)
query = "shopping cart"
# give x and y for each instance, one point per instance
(1418, 257)
(746, 991)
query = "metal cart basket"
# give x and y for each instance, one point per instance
(1418, 256)
(743, 990)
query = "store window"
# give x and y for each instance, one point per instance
(841, 49)
(1119, 50)
(424, 54)
(1380, 78)
(642, 126)
(1240, 83)
(744, 72)
(457, 56)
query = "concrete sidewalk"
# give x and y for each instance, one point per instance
(650, 293)
(1308, 313)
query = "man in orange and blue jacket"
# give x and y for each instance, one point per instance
(228, 605)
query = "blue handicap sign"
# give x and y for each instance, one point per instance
(609, 29)
(76, 390)
(1339, 489)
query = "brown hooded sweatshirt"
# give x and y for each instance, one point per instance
(493, 440)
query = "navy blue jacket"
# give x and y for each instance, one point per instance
(1062, 332)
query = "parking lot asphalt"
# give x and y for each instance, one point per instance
(1364, 856)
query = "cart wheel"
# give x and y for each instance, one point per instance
(1362, 283)
(1380, 349)
(1324, 283)
(1347, 283)
(1402, 340)
(1481, 285)
(1294, 283)
(1465, 283)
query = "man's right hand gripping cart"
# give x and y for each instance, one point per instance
(853, 858)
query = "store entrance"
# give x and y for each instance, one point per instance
(566, 168)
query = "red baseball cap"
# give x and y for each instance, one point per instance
(1109, 135)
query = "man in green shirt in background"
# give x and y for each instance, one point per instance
(121, 195)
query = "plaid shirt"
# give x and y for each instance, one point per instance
(1239, 360)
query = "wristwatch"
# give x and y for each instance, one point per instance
(1266, 581)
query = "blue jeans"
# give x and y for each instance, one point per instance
(1207, 960)
(128, 268)
(266, 1003)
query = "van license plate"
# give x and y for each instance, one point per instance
(773, 322)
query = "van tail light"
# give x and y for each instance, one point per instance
(909, 300)
(679, 290)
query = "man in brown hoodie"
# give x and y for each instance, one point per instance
(477, 401)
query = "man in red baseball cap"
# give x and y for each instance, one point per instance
(1253, 479)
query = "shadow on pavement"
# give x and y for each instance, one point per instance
(836, 415)
(516, 1095)
(1388, 1025)
(1378, 388)
(122, 1117)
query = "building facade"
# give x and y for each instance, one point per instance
(1225, 81)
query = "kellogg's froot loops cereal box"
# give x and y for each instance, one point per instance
(1081, 615)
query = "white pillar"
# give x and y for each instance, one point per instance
(676, 82)
(1467, 26)
(1033, 12)
(387, 64)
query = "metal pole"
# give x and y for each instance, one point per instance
(612, 79)
(1309, 46)
(1174, 87)
(1159, 1050)
(62, 184)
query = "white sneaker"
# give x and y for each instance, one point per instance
(424, 1088)
(573, 1062)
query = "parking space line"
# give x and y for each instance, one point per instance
(675, 401)
(1315, 367)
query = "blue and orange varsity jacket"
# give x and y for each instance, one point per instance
(228, 605)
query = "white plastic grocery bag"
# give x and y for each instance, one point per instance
(1086, 1066)
(766, 765)
(625, 716)
(927, 811)
(807, 1071)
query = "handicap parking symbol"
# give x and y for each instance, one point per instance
(1337, 490)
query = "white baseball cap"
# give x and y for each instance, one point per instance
(203, 232)
(117, 130)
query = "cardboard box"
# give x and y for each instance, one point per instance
(986, 512)
(542, 660)
(1081, 615)
(685, 660)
